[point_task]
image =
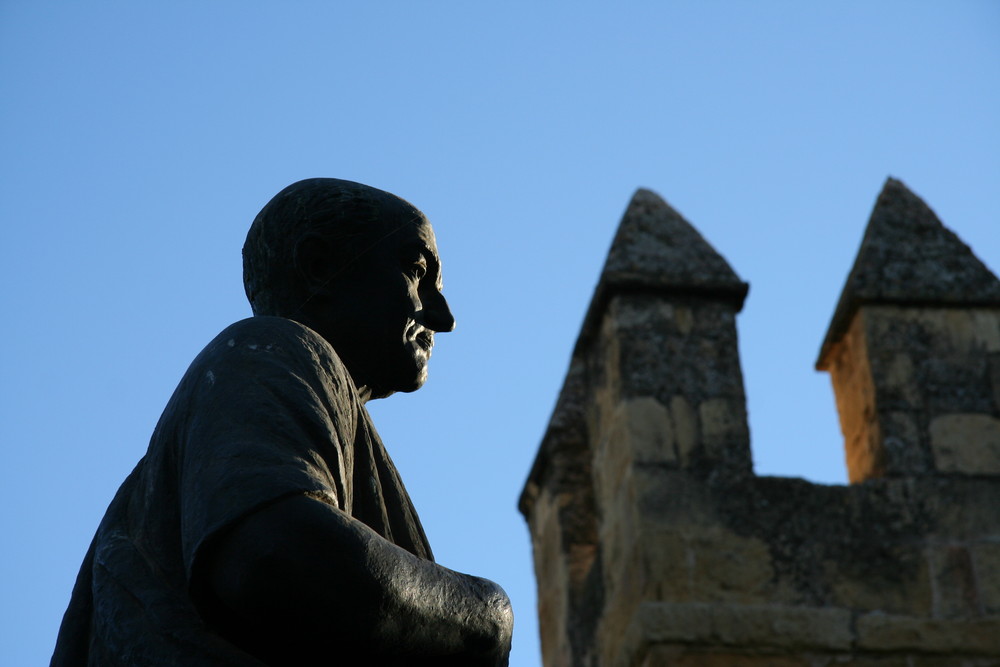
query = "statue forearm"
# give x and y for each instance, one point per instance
(302, 573)
(438, 608)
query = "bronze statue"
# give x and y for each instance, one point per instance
(266, 524)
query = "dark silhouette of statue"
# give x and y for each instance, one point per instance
(266, 524)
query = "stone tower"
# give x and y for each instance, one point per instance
(655, 544)
(912, 349)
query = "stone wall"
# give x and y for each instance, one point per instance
(655, 544)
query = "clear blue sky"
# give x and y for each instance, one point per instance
(138, 140)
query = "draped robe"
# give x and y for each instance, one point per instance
(265, 411)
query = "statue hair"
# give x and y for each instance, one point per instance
(341, 212)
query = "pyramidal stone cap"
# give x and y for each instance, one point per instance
(656, 247)
(657, 250)
(908, 257)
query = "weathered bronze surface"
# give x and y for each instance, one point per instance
(266, 523)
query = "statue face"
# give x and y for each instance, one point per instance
(381, 313)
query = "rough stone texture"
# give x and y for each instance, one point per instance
(656, 250)
(882, 632)
(656, 247)
(681, 657)
(914, 349)
(559, 503)
(685, 656)
(655, 544)
(985, 565)
(682, 356)
(950, 435)
(746, 626)
(850, 371)
(916, 390)
(953, 582)
(908, 256)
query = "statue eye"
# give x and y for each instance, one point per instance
(417, 269)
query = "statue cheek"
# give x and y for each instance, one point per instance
(415, 302)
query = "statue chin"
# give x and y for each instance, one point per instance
(407, 386)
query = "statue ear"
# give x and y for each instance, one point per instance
(315, 262)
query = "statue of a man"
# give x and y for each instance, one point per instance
(266, 524)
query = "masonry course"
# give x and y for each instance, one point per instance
(655, 544)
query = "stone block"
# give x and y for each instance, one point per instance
(953, 582)
(668, 561)
(854, 390)
(679, 656)
(964, 330)
(986, 565)
(898, 377)
(611, 465)
(755, 626)
(878, 586)
(964, 509)
(663, 348)
(904, 451)
(937, 331)
(985, 328)
(723, 425)
(895, 364)
(551, 576)
(862, 661)
(621, 543)
(864, 454)
(885, 632)
(547, 541)
(672, 498)
(685, 420)
(902, 660)
(955, 384)
(967, 443)
(623, 582)
(950, 661)
(552, 632)
(994, 377)
(728, 568)
(646, 430)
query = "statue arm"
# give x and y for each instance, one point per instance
(301, 573)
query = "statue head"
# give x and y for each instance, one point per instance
(360, 267)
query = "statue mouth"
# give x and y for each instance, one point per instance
(424, 340)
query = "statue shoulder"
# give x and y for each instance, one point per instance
(264, 325)
(274, 340)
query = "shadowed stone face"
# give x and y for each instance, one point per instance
(908, 256)
(692, 560)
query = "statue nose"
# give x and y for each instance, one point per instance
(437, 315)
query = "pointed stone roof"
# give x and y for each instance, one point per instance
(908, 257)
(656, 249)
